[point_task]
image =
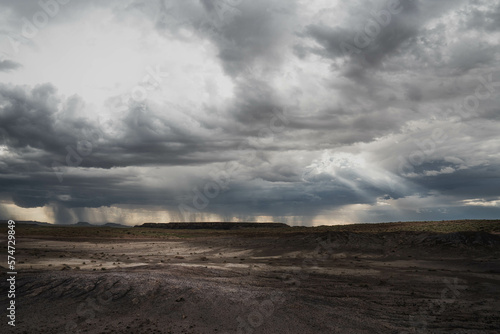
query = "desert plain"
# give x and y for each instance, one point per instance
(411, 277)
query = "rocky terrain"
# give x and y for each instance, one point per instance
(312, 281)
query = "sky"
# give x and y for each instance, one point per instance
(304, 112)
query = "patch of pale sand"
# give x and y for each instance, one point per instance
(345, 271)
(57, 263)
(321, 270)
(337, 255)
(236, 265)
(265, 257)
(139, 248)
(313, 255)
(289, 255)
(236, 253)
(318, 270)
(177, 248)
(129, 249)
(225, 266)
(136, 245)
(26, 243)
(265, 268)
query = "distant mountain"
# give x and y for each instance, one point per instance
(30, 222)
(83, 224)
(33, 222)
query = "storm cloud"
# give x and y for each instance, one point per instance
(8, 65)
(312, 112)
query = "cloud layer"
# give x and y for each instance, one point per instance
(305, 112)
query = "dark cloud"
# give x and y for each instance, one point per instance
(471, 54)
(255, 37)
(8, 65)
(37, 119)
(324, 112)
(371, 39)
(484, 16)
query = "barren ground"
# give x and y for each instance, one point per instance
(295, 281)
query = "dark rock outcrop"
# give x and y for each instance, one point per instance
(212, 225)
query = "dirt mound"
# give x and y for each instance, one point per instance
(465, 239)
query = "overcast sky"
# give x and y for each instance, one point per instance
(305, 112)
